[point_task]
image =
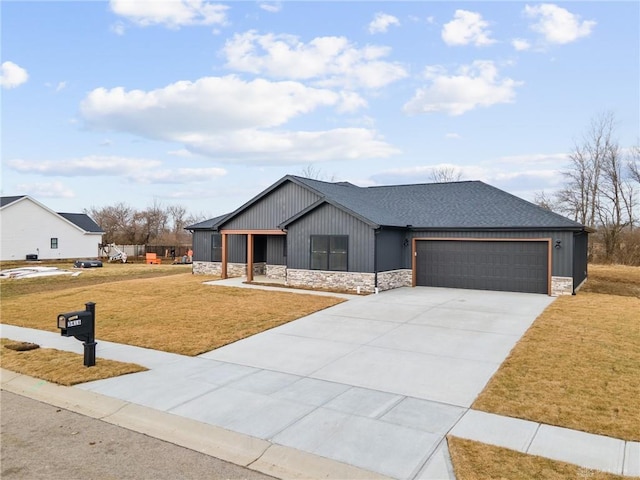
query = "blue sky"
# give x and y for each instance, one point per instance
(205, 104)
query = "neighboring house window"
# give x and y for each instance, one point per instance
(54, 243)
(216, 247)
(329, 252)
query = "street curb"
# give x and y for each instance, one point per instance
(250, 452)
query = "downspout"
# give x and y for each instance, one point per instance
(375, 259)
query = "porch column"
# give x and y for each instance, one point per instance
(223, 269)
(250, 257)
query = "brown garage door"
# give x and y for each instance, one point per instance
(513, 266)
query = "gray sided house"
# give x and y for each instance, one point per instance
(340, 236)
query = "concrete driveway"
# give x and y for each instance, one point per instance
(375, 382)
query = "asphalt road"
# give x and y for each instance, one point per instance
(40, 441)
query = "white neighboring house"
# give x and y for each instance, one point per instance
(27, 227)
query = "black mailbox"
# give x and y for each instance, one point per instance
(81, 325)
(75, 324)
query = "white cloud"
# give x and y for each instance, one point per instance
(381, 23)
(91, 165)
(208, 105)
(234, 120)
(45, 190)
(118, 28)
(538, 159)
(12, 75)
(453, 136)
(272, 7)
(136, 170)
(520, 44)
(467, 28)
(179, 175)
(170, 13)
(472, 86)
(273, 148)
(556, 24)
(183, 152)
(524, 181)
(327, 61)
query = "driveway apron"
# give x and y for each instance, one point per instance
(375, 382)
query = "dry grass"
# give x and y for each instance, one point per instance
(614, 280)
(110, 272)
(175, 314)
(577, 366)
(64, 368)
(478, 461)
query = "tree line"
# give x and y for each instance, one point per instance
(155, 225)
(600, 190)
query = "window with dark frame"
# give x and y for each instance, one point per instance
(216, 247)
(329, 252)
(54, 242)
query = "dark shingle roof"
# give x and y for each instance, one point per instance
(207, 224)
(470, 204)
(7, 200)
(82, 221)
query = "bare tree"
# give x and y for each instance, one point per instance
(615, 201)
(598, 191)
(634, 163)
(316, 173)
(152, 223)
(445, 174)
(581, 192)
(115, 221)
(177, 215)
(546, 201)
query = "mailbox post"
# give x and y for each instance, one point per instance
(81, 325)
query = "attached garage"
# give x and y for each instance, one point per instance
(483, 264)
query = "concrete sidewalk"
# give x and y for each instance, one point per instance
(371, 385)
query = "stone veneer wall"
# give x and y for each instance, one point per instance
(561, 286)
(206, 268)
(394, 279)
(349, 281)
(233, 269)
(276, 271)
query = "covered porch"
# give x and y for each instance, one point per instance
(258, 249)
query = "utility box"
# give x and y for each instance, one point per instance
(81, 325)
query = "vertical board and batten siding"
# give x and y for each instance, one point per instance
(561, 261)
(279, 205)
(201, 245)
(275, 250)
(237, 245)
(580, 255)
(328, 220)
(390, 249)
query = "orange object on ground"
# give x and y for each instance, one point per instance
(152, 258)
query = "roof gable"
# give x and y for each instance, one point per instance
(453, 205)
(4, 201)
(79, 221)
(207, 224)
(82, 221)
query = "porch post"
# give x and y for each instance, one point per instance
(249, 257)
(223, 269)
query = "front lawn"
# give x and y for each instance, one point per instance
(174, 313)
(576, 367)
(478, 461)
(64, 368)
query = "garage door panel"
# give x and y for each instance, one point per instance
(520, 266)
